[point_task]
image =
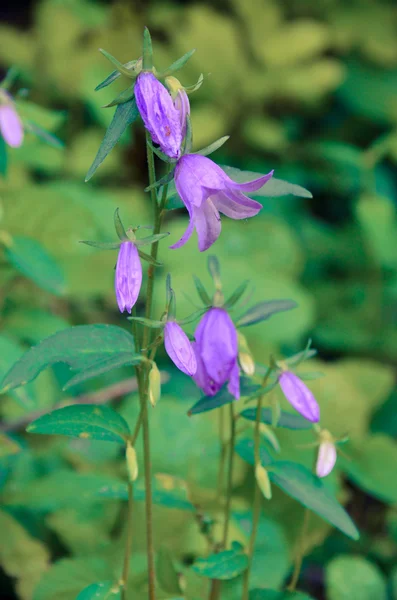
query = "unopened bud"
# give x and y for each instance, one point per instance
(154, 385)
(245, 358)
(263, 481)
(132, 463)
(326, 458)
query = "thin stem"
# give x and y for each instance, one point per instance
(300, 551)
(229, 476)
(128, 544)
(215, 589)
(222, 458)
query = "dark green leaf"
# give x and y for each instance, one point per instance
(299, 483)
(121, 359)
(273, 188)
(202, 291)
(104, 590)
(223, 565)
(178, 64)
(124, 115)
(235, 297)
(115, 75)
(277, 595)
(102, 245)
(147, 55)
(10, 352)
(30, 259)
(245, 450)
(120, 67)
(166, 572)
(86, 421)
(119, 227)
(149, 259)
(192, 317)
(3, 156)
(213, 147)
(163, 181)
(80, 347)
(287, 420)
(222, 397)
(44, 135)
(264, 310)
(124, 96)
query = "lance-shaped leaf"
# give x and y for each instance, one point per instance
(103, 590)
(235, 297)
(102, 245)
(119, 66)
(214, 270)
(124, 96)
(213, 147)
(223, 397)
(223, 565)
(162, 156)
(152, 239)
(130, 65)
(202, 291)
(245, 448)
(296, 359)
(149, 259)
(193, 317)
(124, 115)
(87, 421)
(263, 311)
(163, 181)
(147, 322)
(80, 347)
(119, 227)
(41, 133)
(193, 88)
(274, 187)
(122, 359)
(286, 419)
(178, 64)
(147, 55)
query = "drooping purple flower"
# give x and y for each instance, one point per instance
(326, 458)
(128, 278)
(206, 191)
(179, 348)
(159, 114)
(182, 105)
(299, 396)
(11, 127)
(216, 352)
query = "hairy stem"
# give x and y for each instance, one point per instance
(128, 543)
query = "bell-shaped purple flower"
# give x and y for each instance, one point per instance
(179, 348)
(216, 351)
(159, 114)
(299, 396)
(128, 278)
(206, 191)
(11, 127)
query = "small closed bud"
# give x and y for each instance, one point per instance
(179, 348)
(132, 463)
(245, 358)
(299, 396)
(128, 276)
(154, 385)
(262, 479)
(326, 457)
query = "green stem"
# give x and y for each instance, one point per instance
(221, 466)
(229, 476)
(128, 544)
(300, 552)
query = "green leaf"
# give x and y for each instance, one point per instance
(202, 291)
(147, 322)
(277, 595)
(124, 115)
(245, 450)
(214, 269)
(235, 297)
(147, 54)
(104, 590)
(178, 64)
(119, 227)
(81, 347)
(115, 74)
(264, 310)
(163, 181)
(299, 483)
(3, 156)
(44, 135)
(30, 259)
(287, 420)
(273, 188)
(123, 97)
(213, 147)
(151, 239)
(122, 359)
(351, 577)
(120, 67)
(87, 421)
(223, 565)
(223, 397)
(102, 245)
(149, 259)
(166, 572)
(10, 352)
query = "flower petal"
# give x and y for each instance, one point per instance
(186, 236)
(299, 396)
(326, 459)
(179, 348)
(216, 338)
(235, 204)
(208, 224)
(234, 381)
(128, 276)
(193, 175)
(201, 378)
(251, 186)
(11, 126)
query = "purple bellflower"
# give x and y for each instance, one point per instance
(11, 127)
(179, 348)
(299, 396)
(326, 457)
(206, 191)
(128, 278)
(161, 118)
(216, 351)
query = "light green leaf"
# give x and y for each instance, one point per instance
(124, 115)
(86, 421)
(32, 325)
(10, 352)
(354, 578)
(104, 366)
(104, 590)
(287, 420)
(166, 572)
(223, 565)
(30, 259)
(81, 347)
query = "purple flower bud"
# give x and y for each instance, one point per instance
(326, 458)
(159, 114)
(182, 105)
(179, 348)
(206, 191)
(10, 124)
(216, 352)
(299, 396)
(128, 277)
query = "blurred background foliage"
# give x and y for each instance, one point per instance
(308, 88)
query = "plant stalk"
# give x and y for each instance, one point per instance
(300, 552)
(229, 476)
(128, 544)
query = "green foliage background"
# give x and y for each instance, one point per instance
(308, 88)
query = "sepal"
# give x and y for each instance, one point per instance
(122, 69)
(147, 55)
(177, 65)
(213, 147)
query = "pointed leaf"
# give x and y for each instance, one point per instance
(41, 133)
(104, 590)
(223, 565)
(287, 420)
(178, 64)
(213, 147)
(147, 55)
(273, 188)
(80, 347)
(214, 270)
(119, 66)
(163, 181)
(167, 574)
(87, 421)
(245, 450)
(124, 115)
(119, 227)
(235, 297)
(115, 75)
(151, 239)
(32, 260)
(193, 316)
(147, 322)
(102, 245)
(264, 310)
(149, 259)
(3, 156)
(193, 88)
(222, 397)
(121, 359)
(124, 96)
(202, 291)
